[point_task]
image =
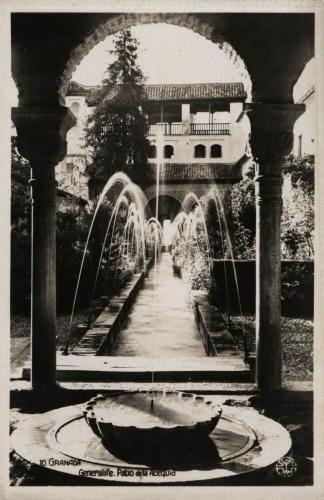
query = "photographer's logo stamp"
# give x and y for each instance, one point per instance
(286, 467)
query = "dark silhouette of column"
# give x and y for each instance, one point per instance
(41, 136)
(271, 140)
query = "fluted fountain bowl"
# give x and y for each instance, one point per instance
(147, 421)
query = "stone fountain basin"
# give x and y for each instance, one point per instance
(128, 421)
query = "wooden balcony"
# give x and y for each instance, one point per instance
(210, 129)
(166, 129)
(195, 129)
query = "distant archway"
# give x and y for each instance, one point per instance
(168, 207)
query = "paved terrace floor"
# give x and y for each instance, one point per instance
(161, 322)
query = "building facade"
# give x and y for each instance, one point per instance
(305, 126)
(198, 132)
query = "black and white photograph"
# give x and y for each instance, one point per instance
(163, 187)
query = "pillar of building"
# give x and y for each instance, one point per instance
(41, 136)
(271, 140)
(185, 118)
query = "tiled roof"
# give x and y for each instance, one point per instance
(194, 91)
(77, 89)
(175, 92)
(185, 172)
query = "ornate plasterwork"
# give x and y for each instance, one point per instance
(271, 144)
(272, 134)
(123, 21)
(41, 134)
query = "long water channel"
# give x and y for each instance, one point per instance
(161, 323)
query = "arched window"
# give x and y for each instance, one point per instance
(168, 151)
(200, 151)
(216, 151)
(152, 151)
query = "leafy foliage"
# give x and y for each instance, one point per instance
(190, 251)
(297, 229)
(243, 210)
(297, 223)
(297, 288)
(117, 130)
(216, 228)
(73, 223)
(301, 172)
(71, 234)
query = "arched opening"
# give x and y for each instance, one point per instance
(216, 151)
(168, 207)
(168, 151)
(200, 151)
(189, 21)
(152, 151)
(75, 107)
(210, 32)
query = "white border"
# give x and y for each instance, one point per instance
(279, 6)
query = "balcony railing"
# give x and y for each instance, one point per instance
(210, 128)
(195, 129)
(166, 129)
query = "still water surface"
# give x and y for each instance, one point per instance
(161, 322)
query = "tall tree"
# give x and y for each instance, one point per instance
(117, 129)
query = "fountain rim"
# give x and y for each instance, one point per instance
(273, 441)
(198, 424)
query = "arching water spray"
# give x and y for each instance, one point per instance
(116, 180)
(218, 210)
(215, 195)
(188, 201)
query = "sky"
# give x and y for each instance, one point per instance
(166, 54)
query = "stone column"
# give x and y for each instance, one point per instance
(41, 136)
(271, 140)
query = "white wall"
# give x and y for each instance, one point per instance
(233, 146)
(70, 173)
(75, 135)
(305, 128)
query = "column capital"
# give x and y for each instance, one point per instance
(272, 134)
(41, 133)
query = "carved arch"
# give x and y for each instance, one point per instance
(123, 21)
